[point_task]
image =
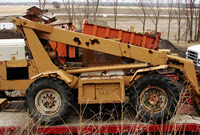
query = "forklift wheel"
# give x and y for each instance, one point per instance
(48, 100)
(154, 98)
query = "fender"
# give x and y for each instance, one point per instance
(63, 75)
(146, 70)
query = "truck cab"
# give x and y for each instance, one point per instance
(193, 53)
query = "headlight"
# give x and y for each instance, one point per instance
(198, 61)
(186, 54)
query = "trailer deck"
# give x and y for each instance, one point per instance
(15, 120)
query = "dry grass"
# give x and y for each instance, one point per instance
(86, 116)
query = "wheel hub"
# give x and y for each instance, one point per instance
(47, 101)
(153, 99)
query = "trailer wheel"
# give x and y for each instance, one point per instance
(154, 98)
(48, 100)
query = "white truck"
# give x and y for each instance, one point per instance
(12, 49)
(193, 53)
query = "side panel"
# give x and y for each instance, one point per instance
(15, 84)
(15, 75)
(16, 63)
(97, 90)
(3, 73)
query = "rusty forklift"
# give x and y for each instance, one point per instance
(50, 84)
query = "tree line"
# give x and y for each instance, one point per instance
(187, 11)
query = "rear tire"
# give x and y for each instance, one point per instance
(154, 98)
(48, 100)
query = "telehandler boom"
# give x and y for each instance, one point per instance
(50, 86)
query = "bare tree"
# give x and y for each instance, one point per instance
(196, 12)
(115, 7)
(189, 13)
(191, 8)
(95, 6)
(69, 6)
(56, 4)
(198, 31)
(155, 11)
(41, 6)
(143, 6)
(87, 9)
(90, 7)
(187, 22)
(81, 17)
(170, 16)
(178, 17)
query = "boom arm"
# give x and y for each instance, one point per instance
(154, 58)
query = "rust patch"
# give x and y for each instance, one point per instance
(95, 41)
(87, 43)
(150, 51)
(76, 39)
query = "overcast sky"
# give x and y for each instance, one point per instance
(21, 1)
(66, 0)
(58, 0)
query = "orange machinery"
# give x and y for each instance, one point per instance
(145, 40)
(90, 57)
(64, 51)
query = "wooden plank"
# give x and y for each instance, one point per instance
(3, 104)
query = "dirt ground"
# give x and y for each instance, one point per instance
(9, 34)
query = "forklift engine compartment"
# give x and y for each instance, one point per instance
(50, 85)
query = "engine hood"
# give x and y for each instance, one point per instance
(195, 48)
